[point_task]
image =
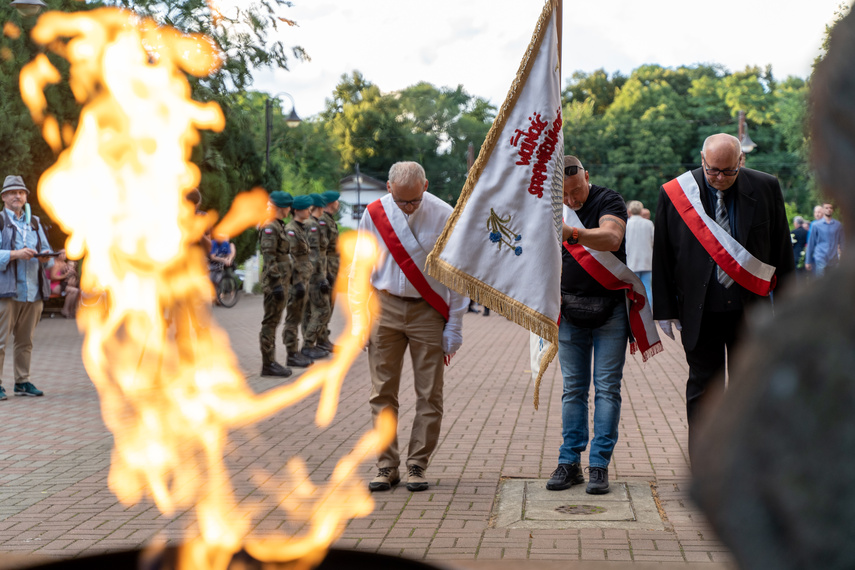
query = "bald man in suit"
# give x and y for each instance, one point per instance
(688, 288)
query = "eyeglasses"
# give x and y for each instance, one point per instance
(415, 202)
(717, 171)
(571, 170)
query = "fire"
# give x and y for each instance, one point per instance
(170, 389)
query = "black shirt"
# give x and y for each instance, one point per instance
(574, 279)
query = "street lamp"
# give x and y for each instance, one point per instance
(28, 8)
(292, 121)
(744, 140)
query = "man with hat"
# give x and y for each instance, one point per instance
(330, 210)
(296, 234)
(23, 284)
(318, 308)
(275, 281)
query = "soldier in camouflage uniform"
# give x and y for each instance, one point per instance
(318, 308)
(330, 210)
(295, 233)
(275, 281)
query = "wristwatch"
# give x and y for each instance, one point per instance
(574, 236)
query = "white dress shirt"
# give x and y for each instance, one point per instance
(426, 224)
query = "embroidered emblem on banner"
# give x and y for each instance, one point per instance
(501, 234)
(529, 146)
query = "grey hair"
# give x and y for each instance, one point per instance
(799, 220)
(407, 173)
(635, 207)
(732, 139)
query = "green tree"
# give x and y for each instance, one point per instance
(431, 125)
(23, 151)
(596, 87)
(229, 161)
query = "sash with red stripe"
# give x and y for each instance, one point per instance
(729, 254)
(613, 274)
(402, 257)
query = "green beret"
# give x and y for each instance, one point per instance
(318, 201)
(281, 199)
(302, 202)
(331, 196)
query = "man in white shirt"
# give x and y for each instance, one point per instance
(415, 311)
(639, 245)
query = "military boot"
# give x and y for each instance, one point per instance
(299, 360)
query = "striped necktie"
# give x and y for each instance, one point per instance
(722, 220)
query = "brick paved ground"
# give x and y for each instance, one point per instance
(55, 454)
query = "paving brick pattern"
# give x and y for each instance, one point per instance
(55, 453)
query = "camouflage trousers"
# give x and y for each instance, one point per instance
(267, 337)
(318, 312)
(293, 320)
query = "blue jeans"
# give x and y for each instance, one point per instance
(575, 346)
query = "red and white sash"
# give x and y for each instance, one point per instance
(729, 254)
(406, 251)
(613, 274)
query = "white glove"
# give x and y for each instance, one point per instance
(666, 327)
(452, 339)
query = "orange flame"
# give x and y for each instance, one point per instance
(170, 390)
(244, 213)
(11, 31)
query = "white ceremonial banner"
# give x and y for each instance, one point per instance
(502, 244)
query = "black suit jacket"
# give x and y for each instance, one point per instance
(682, 267)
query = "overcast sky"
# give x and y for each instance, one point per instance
(479, 43)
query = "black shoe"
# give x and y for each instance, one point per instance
(598, 481)
(486, 312)
(565, 476)
(314, 352)
(326, 345)
(299, 360)
(275, 369)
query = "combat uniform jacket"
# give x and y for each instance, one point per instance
(276, 257)
(295, 234)
(332, 246)
(317, 238)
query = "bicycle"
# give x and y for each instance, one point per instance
(227, 286)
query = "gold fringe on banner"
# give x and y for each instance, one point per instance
(464, 283)
(510, 308)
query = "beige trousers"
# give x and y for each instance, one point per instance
(19, 319)
(402, 323)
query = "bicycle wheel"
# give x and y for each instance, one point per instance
(227, 291)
